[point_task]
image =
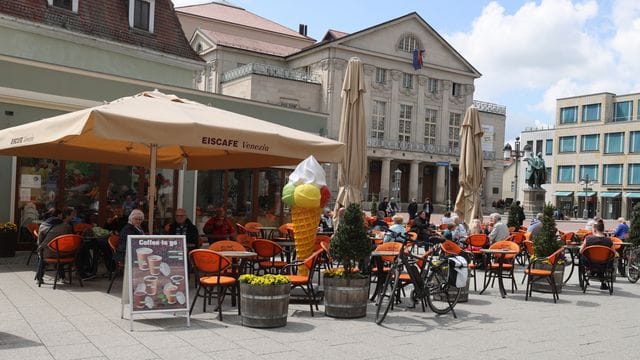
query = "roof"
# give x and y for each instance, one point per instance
(108, 20)
(334, 35)
(240, 42)
(233, 14)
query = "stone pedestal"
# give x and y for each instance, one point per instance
(533, 201)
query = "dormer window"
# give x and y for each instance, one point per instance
(141, 14)
(408, 43)
(71, 5)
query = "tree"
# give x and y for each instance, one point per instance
(634, 231)
(545, 242)
(350, 243)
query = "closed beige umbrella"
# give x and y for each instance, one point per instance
(471, 168)
(353, 169)
(153, 129)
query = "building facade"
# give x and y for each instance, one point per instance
(413, 108)
(596, 148)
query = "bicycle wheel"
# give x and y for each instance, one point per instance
(633, 266)
(386, 297)
(440, 296)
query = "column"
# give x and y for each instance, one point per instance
(441, 185)
(413, 180)
(385, 177)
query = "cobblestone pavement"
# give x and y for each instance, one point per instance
(84, 323)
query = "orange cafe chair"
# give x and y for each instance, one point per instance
(118, 267)
(267, 251)
(210, 266)
(79, 229)
(304, 282)
(381, 268)
(226, 245)
(597, 258)
(284, 232)
(568, 238)
(534, 274)
(507, 260)
(254, 229)
(64, 247)
(34, 231)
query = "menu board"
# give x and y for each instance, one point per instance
(157, 274)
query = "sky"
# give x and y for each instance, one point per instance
(530, 53)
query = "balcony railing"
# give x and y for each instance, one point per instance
(490, 107)
(269, 70)
(422, 148)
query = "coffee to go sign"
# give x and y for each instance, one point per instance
(156, 274)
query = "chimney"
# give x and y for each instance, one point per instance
(302, 29)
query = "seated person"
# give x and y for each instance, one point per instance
(58, 224)
(498, 230)
(133, 227)
(446, 218)
(621, 231)
(397, 228)
(421, 227)
(596, 238)
(536, 225)
(379, 224)
(326, 221)
(219, 227)
(183, 226)
(460, 231)
(475, 227)
(448, 233)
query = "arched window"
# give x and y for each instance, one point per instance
(408, 43)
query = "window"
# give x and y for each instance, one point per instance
(565, 173)
(591, 112)
(613, 143)
(622, 111)
(381, 75)
(538, 146)
(634, 174)
(590, 171)
(71, 5)
(432, 85)
(495, 191)
(612, 174)
(454, 130)
(408, 43)
(549, 147)
(141, 14)
(404, 125)
(567, 144)
(547, 180)
(456, 89)
(634, 142)
(590, 142)
(568, 115)
(430, 120)
(407, 81)
(378, 115)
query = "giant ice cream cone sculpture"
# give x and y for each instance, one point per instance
(306, 193)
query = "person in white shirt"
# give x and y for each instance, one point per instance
(499, 231)
(446, 218)
(397, 227)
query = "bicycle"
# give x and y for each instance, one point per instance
(429, 275)
(632, 256)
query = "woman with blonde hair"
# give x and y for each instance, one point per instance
(475, 227)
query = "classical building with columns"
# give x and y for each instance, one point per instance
(418, 88)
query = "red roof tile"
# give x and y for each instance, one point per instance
(237, 15)
(108, 20)
(244, 43)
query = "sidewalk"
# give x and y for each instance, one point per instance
(84, 323)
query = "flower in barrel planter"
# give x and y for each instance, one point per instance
(546, 244)
(264, 300)
(346, 289)
(8, 239)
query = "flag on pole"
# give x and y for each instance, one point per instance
(417, 59)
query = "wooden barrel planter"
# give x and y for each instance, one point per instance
(543, 285)
(346, 297)
(264, 306)
(8, 242)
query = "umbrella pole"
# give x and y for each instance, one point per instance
(181, 175)
(152, 185)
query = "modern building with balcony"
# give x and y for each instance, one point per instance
(597, 154)
(413, 109)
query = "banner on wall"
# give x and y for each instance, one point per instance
(156, 275)
(488, 137)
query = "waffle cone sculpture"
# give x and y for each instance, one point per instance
(305, 227)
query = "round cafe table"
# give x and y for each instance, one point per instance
(498, 253)
(235, 265)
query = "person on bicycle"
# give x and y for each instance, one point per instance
(396, 230)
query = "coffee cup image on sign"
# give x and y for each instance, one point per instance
(154, 264)
(170, 291)
(139, 299)
(178, 280)
(151, 284)
(142, 255)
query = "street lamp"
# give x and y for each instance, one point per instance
(396, 183)
(586, 182)
(516, 155)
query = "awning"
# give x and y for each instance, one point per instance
(610, 194)
(563, 193)
(632, 195)
(588, 193)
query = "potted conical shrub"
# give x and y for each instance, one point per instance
(8, 239)
(346, 288)
(545, 243)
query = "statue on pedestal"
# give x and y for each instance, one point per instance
(536, 171)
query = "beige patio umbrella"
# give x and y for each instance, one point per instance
(153, 129)
(471, 168)
(353, 169)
